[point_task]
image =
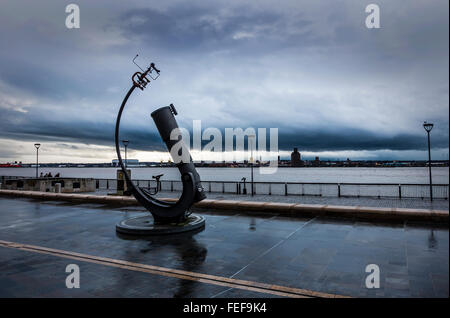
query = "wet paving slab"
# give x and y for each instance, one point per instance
(316, 254)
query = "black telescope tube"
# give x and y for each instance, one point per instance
(165, 122)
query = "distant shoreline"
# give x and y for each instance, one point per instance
(233, 167)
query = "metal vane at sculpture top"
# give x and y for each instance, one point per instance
(164, 118)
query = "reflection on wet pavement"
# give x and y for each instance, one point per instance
(325, 255)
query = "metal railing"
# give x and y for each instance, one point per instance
(378, 190)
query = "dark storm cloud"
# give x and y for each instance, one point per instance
(309, 68)
(102, 133)
(194, 27)
(146, 138)
(356, 140)
(43, 81)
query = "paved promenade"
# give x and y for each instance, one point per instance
(234, 256)
(410, 203)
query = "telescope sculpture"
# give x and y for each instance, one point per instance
(167, 217)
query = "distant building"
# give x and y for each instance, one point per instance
(296, 158)
(316, 162)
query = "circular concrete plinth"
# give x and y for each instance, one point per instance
(144, 225)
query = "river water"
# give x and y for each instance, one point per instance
(332, 175)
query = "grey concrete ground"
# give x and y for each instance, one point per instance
(437, 204)
(317, 254)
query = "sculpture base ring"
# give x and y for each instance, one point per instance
(145, 225)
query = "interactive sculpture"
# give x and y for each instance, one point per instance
(167, 217)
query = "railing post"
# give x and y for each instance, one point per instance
(339, 190)
(171, 186)
(223, 187)
(107, 184)
(285, 189)
(399, 191)
(270, 188)
(209, 183)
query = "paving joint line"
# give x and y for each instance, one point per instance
(180, 274)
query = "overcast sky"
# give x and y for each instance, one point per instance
(312, 69)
